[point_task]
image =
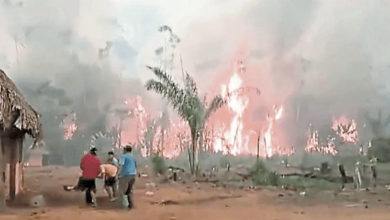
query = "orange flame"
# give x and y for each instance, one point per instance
(69, 126)
(270, 144)
(313, 144)
(346, 129)
(237, 142)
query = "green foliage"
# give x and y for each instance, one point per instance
(187, 103)
(262, 176)
(379, 124)
(307, 183)
(158, 165)
(380, 149)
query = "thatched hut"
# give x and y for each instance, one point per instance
(17, 118)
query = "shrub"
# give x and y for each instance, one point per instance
(380, 149)
(262, 176)
(158, 165)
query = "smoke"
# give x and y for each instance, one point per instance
(53, 51)
(318, 59)
(321, 59)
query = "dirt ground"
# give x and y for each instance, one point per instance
(173, 201)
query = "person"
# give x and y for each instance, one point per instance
(112, 159)
(127, 174)
(90, 166)
(109, 174)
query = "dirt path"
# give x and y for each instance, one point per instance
(175, 201)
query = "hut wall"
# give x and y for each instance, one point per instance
(12, 156)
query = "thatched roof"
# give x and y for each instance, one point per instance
(15, 111)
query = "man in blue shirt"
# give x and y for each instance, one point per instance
(127, 173)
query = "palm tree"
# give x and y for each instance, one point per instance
(188, 104)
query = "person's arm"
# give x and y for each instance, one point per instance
(82, 164)
(100, 170)
(120, 165)
(102, 173)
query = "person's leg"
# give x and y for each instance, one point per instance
(93, 192)
(114, 188)
(107, 188)
(88, 196)
(130, 195)
(90, 192)
(122, 187)
(93, 198)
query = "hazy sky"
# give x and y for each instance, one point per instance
(329, 33)
(331, 52)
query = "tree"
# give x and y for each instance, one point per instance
(379, 124)
(188, 104)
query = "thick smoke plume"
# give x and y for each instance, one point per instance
(318, 59)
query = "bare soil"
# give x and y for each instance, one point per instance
(193, 201)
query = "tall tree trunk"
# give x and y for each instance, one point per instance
(194, 140)
(198, 151)
(189, 158)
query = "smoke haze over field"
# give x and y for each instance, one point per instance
(320, 58)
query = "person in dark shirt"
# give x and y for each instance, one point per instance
(90, 166)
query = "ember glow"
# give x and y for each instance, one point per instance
(346, 129)
(68, 124)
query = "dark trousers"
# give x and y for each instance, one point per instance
(126, 184)
(90, 187)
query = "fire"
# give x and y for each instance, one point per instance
(152, 136)
(346, 129)
(313, 144)
(270, 143)
(236, 141)
(68, 124)
(175, 139)
(233, 139)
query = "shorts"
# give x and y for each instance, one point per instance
(110, 181)
(84, 184)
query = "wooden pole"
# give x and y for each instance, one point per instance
(12, 169)
(2, 179)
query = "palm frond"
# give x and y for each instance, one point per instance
(173, 94)
(190, 85)
(215, 104)
(163, 76)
